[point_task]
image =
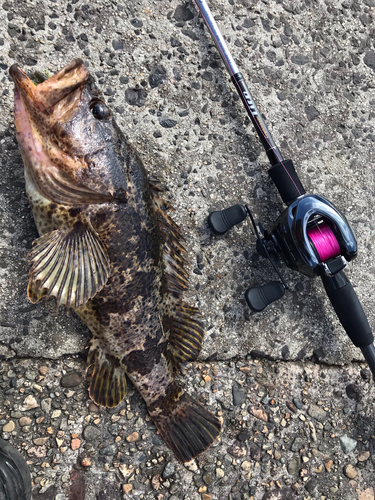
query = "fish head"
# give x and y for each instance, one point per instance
(70, 144)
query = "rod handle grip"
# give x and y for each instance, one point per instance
(348, 309)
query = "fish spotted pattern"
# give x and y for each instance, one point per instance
(109, 250)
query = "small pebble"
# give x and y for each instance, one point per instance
(30, 375)
(157, 76)
(317, 413)
(108, 451)
(350, 471)
(40, 441)
(37, 451)
(63, 424)
(43, 370)
(243, 436)
(9, 427)
(169, 470)
(293, 466)
(167, 122)
(132, 437)
(238, 395)
(365, 374)
(353, 392)
(126, 470)
(24, 421)
(259, 413)
(91, 433)
(219, 473)
(291, 406)
(347, 444)
(46, 404)
(192, 466)
(328, 465)
(298, 444)
(29, 403)
(353, 484)
(156, 440)
(126, 488)
(71, 379)
(246, 465)
(75, 444)
(363, 456)
(298, 403)
(183, 14)
(135, 97)
(118, 44)
(207, 478)
(237, 451)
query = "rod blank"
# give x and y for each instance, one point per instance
(217, 37)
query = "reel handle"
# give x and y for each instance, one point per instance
(220, 222)
(258, 298)
(351, 315)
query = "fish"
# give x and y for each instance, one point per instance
(109, 250)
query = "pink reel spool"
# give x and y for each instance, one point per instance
(324, 241)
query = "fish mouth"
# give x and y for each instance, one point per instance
(47, 94)
(40, 115)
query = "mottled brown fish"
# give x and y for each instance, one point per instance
(108, 250)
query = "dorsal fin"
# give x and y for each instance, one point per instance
(175, 275)
(180, 320)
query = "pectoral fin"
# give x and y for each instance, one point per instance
(71, 265)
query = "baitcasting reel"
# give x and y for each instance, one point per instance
(311, 236)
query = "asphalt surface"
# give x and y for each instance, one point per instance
(310, 67)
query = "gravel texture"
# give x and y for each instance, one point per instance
(269, 448)
(297, 405)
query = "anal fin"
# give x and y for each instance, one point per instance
(186, 333)
(108, 380)
(71, 265)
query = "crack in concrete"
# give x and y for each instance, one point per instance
(298, 362)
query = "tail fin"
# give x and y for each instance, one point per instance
(189, 429)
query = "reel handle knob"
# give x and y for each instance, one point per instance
(258, 298)
(220, 222)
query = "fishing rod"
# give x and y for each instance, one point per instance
(311, 236)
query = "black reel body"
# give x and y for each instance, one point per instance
(292, 240)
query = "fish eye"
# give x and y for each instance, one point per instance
(99, 110)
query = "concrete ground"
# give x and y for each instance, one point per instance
(296, 399)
